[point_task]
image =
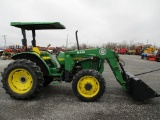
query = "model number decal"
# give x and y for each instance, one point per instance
(80, 52)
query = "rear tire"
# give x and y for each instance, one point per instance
(88, 85)
(22, 79)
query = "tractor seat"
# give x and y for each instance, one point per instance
(45, 56)
(35, 50)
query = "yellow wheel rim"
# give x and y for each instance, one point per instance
(88, 86)
(20, 81)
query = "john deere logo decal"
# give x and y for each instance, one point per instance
(102, 51)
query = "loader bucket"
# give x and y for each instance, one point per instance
(139, 89)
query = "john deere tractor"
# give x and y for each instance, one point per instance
(33, 69)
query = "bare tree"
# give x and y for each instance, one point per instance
(110, 45)
(83, 46)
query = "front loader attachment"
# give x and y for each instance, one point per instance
(129, 82)
(138, 88)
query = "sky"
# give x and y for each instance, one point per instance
(97, 21)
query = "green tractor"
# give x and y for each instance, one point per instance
(33, 69)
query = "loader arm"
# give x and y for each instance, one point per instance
(118, 73)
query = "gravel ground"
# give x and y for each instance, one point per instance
(59, 103)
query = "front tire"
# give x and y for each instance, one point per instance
(22, 79)
(88, 85)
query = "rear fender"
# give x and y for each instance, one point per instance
(35, 58)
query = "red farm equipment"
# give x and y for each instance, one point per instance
(122, 51)
(155, 56)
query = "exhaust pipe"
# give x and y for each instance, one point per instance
(77, 40)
